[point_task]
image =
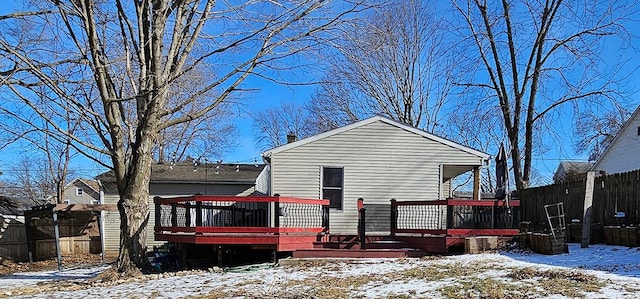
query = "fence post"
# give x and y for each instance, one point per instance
(56, 234)
(394, 217)
(588, 201)
(28, 218)
(361, 223)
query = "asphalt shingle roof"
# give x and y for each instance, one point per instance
(190, 173)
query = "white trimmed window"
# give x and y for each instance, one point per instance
(79, 191)
(333, 186)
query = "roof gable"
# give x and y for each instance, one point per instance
(91, 184)
(369, 121)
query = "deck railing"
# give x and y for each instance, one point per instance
(444, 216)
(234, 214)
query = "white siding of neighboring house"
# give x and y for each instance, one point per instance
(263, 182)
(112, 218)
(401, 165)
(622, 154)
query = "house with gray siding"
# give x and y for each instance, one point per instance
(79, 191)
(376, 159)
(183, 179)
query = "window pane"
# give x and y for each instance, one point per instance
(332, 177)
(334, 197)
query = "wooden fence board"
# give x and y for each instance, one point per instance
(612, 193)
(13, 240)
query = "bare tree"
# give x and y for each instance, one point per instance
(476, 130)
(397, 62)
(34, 180)
(113, 64)
(594, 133)
(57, 155)
(271, 126)
(535, 58)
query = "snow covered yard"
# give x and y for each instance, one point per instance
(596, 272)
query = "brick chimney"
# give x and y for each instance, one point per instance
(291, 137)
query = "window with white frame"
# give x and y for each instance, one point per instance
(333, 186)
(79, 191)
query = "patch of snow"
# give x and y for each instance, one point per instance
(617, 266)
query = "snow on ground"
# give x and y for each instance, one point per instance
(596, 272)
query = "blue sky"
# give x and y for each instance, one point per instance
(270, 94)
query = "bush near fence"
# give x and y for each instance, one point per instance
(613, 196)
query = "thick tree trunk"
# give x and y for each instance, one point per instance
(134, 208)
(134, 217)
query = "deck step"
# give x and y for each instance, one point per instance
(390, 244)
(369, 253)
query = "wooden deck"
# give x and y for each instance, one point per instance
(302, 225)
(230, 220)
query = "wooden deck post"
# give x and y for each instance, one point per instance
(394, 218)
(361, 224)
(158, 211)
(476, 183)
(198, 213)
(174, 215)
(187, 214)
(277, 213)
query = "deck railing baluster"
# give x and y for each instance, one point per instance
(425, 216)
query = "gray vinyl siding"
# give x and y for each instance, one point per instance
(88, 195)
(111, 227)
(401, 165)
(112, 219)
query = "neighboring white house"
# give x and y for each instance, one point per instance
(376, 159)
(622, 154)
(180, 180)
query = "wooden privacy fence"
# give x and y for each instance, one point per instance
(14, 245)
(13, 239)
(616, 200)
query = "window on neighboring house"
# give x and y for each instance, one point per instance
(333, 186)
(79, 191)
(66, 202)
